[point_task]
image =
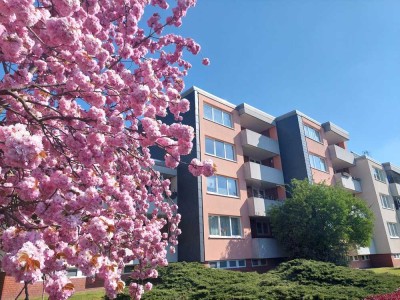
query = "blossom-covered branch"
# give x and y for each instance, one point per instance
(82, 92)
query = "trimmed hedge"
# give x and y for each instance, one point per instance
(296, 279)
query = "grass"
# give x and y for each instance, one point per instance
(95, 294)
(393, 271)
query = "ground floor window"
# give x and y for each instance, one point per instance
(359, 257)
(228, 264)
(396, 255)
(259, 262)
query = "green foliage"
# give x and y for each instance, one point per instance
(321, 222)
(297, 279)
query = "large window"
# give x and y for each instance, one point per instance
(223, 226)
(318, 163)
(312, 133)
(220, 149)
(379, 174)
(217, 115)
(222, 185)
(386, 201)
(393, 230)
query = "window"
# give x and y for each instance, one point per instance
(222, 185)
(364, 257)
(262, 228)
(318, 163)
(393, 231)
(128, 269)
(255, 161)
(218, 116)
(224, 226)
(231, 264)
(258, 193)
(72, 272)
(312, 133)
(258, 262)
(396, 255)
(379, 175)
(386, 202)
(220, 149)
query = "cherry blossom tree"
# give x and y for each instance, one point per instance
(83, 87)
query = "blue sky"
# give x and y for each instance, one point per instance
(336, 60)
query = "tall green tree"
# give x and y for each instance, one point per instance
(321, 222)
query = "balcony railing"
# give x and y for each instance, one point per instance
(260, 174)
(395, 189)
(348, 182)
(257, 145)
(260, 206)
(266, 248)
(341, 158)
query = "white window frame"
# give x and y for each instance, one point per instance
(312, 133)
(386, 201)
(222, 113)
(217, 264)
(215, 149)
(217, 192)
(316, 164)
(393, 230)
(379, 174)
(219, 227)
(396, 255)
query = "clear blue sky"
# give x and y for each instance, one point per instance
(336, 60)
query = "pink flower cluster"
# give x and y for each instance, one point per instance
(84, 94)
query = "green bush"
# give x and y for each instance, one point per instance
(297, 279)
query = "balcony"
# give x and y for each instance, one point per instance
(348, 182)
(395, 189)
(263, 176)
(257, 145)
(266, 248)
(258, 207)
(341, 158)
(253, 118)
(334, 134)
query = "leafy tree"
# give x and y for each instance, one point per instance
(82, 89)
(321, 222)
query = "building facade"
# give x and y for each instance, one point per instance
(224, 218)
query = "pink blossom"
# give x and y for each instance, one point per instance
(205, 61)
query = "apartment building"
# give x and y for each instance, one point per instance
(224, 218)
(318, 151)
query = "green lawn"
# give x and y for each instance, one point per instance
(96, 294)
(394, 271)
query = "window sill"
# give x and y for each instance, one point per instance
(394, 237)
(384, 182)
(326, 172)
(219, 123)
(222, 195)
(231, 160)
(388, 208)
(234, 237)
(315, 140)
